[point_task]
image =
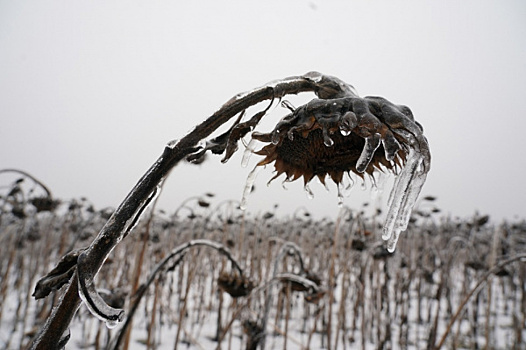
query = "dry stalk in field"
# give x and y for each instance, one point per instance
(480, 282)
(334, 135)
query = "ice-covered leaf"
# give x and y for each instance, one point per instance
(59, 276)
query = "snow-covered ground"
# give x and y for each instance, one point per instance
(370, 299)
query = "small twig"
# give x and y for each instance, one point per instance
(26, 174)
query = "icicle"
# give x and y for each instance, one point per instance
(275, 137)
(371, 144)
(323, 183)
(374, 183)
(391, 146)
(249, 185)
(288, 105)
(249, 149)
(340, 196)
(308, 191)
(344, 131)
(346, 186)
(327, 141)
(363, 186)
(379, 181)
(348, 122)
(403, 197)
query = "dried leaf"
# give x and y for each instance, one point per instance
(59, 276)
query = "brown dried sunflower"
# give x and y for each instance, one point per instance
(235, 285)
(309, 143)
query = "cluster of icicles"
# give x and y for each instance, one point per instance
(403, 196)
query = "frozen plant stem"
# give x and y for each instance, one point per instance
(26, 174)
(287, 248)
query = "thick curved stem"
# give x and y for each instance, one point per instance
(116, 227)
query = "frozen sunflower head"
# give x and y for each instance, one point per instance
(306, 144)
(235, 285)
(326, 139)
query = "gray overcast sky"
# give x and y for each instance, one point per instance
(91, 91)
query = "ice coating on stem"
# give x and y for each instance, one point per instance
(86, 272)
(93, 301)
(403, 197)
(111, 319)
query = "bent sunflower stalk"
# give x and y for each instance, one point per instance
(179, 252)
(336, 134)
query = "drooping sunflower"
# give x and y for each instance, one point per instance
(333, 135)
(316, 141)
